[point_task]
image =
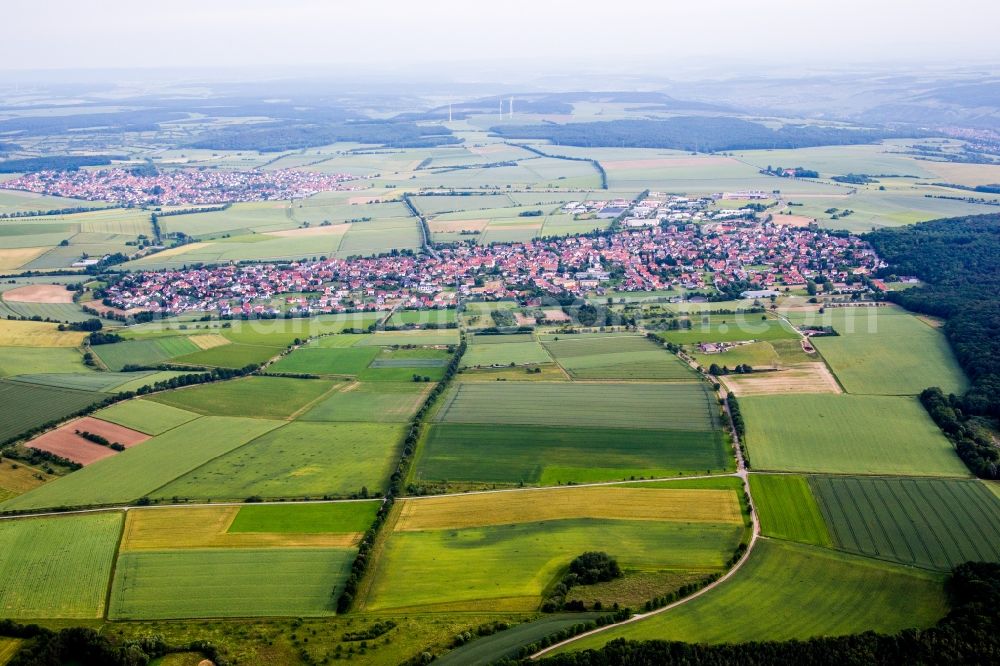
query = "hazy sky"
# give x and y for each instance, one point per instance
(383, 33)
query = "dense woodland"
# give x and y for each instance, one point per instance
(969, 634)
(701, 134)
(959, 259)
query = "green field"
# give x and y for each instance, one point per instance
(306, 518)
(887, 352)
(512, 564)
(282, 332)
(143, 352)
(324, 361)
(787, 509)
(152, 418)
(791, 591)
(392, 402)
(57, 567)
(931, 523)
(28, 405)
(443, 336)
(633, 405)
(139, 471)
(423, 317)
(505, 353)
(505, 644)
(230, 356)
(730, 328)
(27, 360)
(616, 357)
(298, 460)
(258, 397)
(846, 434)
(757, 355)
(228, 583)
(549, 455)
(88, 381)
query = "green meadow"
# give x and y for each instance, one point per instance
(787, 509)
(310, 518)
(257, 397)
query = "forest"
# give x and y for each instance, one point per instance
(702, 134)
(959, 260)
(276, 137)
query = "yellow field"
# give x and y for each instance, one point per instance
(173, 252)
(205, 527)
(37, 334)
(16, 481)
(209, 340)
(803, 378)
(13, 258)
(964, 174)
(8, 648)
(507, 508)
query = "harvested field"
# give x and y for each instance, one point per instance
(37, 334)
(444, 226)
(792, 220)
(451, 513)
(803, 378)
(39, 293)
(209, 341)
(13, 258)
(329, 230)
(66, 443)
(173, 528)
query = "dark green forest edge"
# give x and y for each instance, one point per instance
(959, 260)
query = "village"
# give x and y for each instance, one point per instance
(658, 243)
(178, 187)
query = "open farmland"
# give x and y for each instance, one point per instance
(887, 352)
(139, 471)
(66, 441)
(316, 360)
(505, 353)
(57, 567)
(339, 518)
(616, 357)
(28, 360)
(390, 402)
(301, 459)
(243, 582)
(152, 418)
(553, 454)
(506, 558)
(143, 352)
(730, 328)
(28, 405)
(440, 336)
(258, 397)
(787, 509)
(846, 434)
(931, 523)
(229, 356)
(791, 591)
(37, 334)
(633, 405)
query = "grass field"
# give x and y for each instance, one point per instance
(298, 460)
(306, 518)
(616, 357)
(889, 354)
(443, 336)
(152, 418)
(257, 397)
(143, 352)
(84, 381)
(505, 644)
(792, 591)
(228, 583)
(28, 360)
(57, 567)
(282, 332)
(519, 353)
(28, 405)
(139, 471)
(229, 356)
(508, 566)
(390, 402)
(633, 405)
(730, 328)
(325, 361)
(787, 509)
(548, 455)
(846, 434)
(932, 523)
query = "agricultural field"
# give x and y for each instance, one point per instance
(57, 567)
(389, 402)
(632, 405)
(930, 523)
(787, 509)
(37, 334)
(301, 459)
(504, 557)
(242, 582)
(141, 470)
(462, 452)
(257, 397)
(886, 352)
(229, 356)
(152, 418)
(505, 353)
(846, 434)
(791, 591)
(29, 405)
(144, 352)
(730, 328)
(31, 360)
(616, 357)
(442, 336)
(317, 360)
